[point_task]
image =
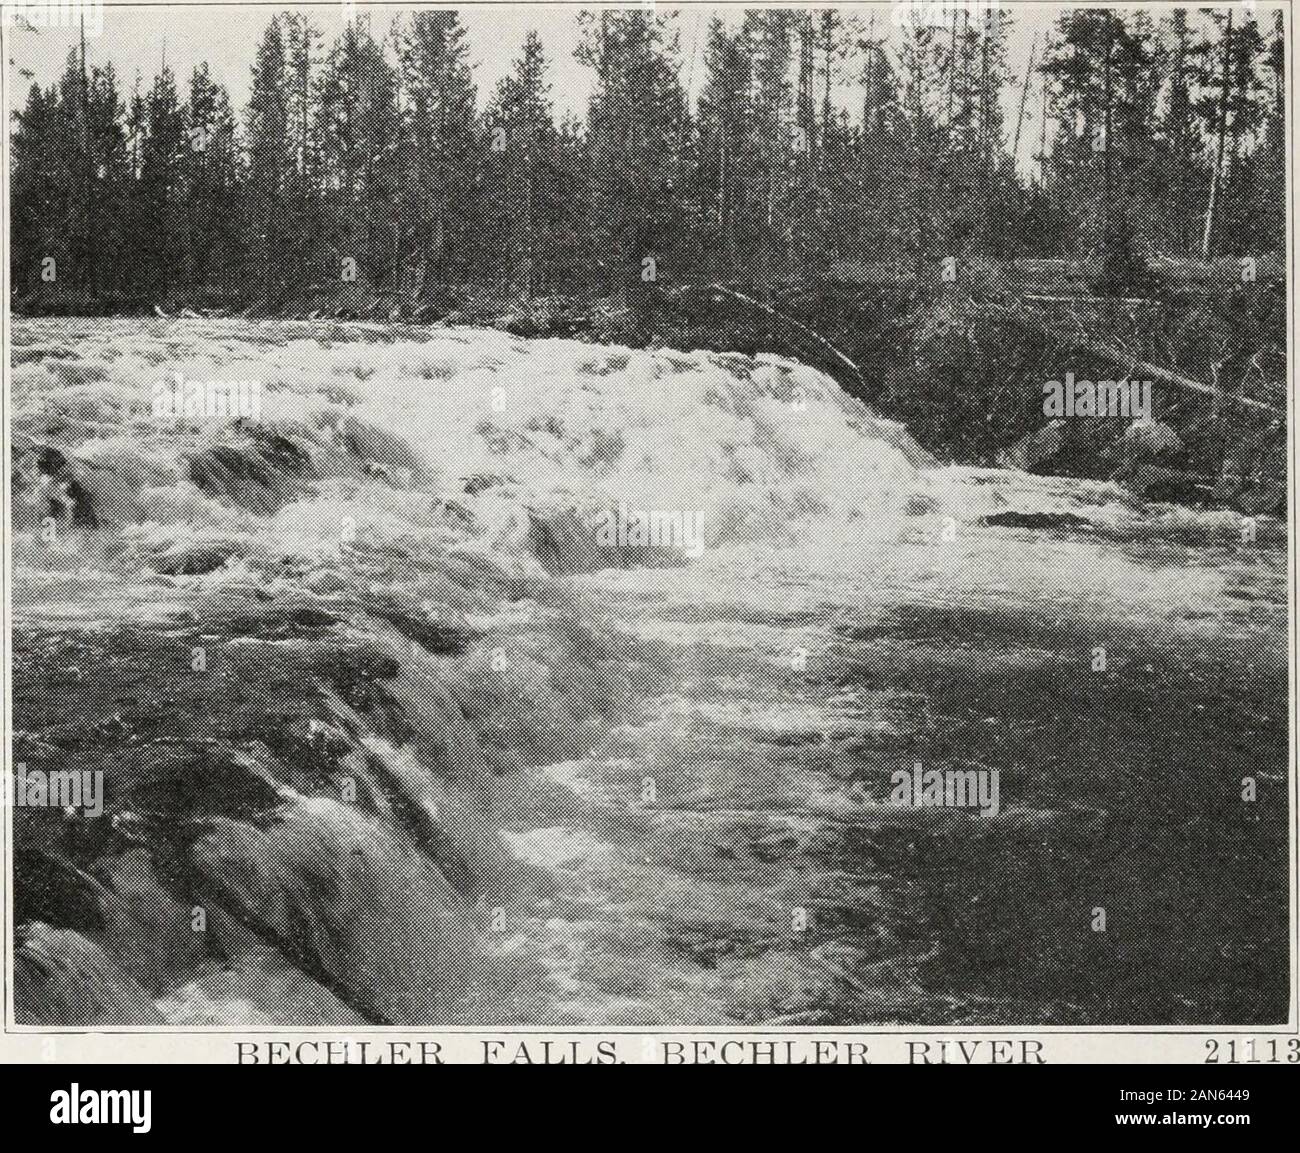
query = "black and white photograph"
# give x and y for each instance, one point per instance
(613, 519)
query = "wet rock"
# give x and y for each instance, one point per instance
(348, 901)
(1035, 520)
(62, 977)
(241, 475)
(1035, 448)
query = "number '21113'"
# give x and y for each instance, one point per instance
(1251, 1052)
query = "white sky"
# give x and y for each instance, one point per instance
(226, 35)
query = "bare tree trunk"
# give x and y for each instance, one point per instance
(1279, 67)
(828, 33)
(985, 133)
(806, 119)
(1042, 132)
(870, 82)
(1107, 191)
(1216, 177)
(724, 211)
(919, 207)
(92, 243)
(1024, 98)
(965, 76)
(529, 240)
(952, 70)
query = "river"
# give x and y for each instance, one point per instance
(449, 755)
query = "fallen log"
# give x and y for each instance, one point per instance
(1142, 368)
(723, 290)
(1088, 298)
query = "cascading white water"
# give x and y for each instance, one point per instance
(685, 748)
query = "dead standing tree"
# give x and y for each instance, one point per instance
(1221, 141)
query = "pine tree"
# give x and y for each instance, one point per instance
(211, 178)
(360, 133)
(570, 256)
(442, 176)
(1178, 172)
(978, 203)
(302, 44)
(923, 134)
(75, 163)
(725, 226)
(1248, 112)
(524, 165)
(637, 126)
(1093, 57)
(268, 236)
(805, 193)
(1136, 71)
(38, 209)
(1231, 108)
(113, 184)
(161, 188)
(768, 35)
(1270, 201)
(872, 219)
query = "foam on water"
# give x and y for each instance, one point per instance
(409, 507)
(762, 448)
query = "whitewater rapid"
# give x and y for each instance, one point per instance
(622, 773)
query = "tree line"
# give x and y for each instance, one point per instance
(818, 143)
